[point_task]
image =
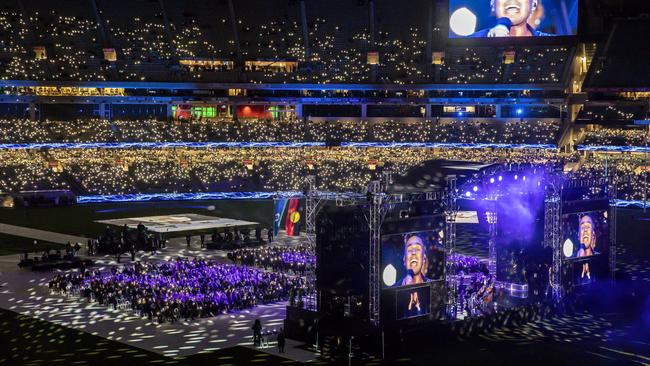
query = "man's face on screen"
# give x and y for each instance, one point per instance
(586, 232)
(517, 11)
(414, 255)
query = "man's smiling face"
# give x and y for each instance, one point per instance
(518, 11)
(414, 254)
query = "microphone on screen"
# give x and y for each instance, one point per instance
(502, 29)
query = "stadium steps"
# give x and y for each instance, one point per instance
(590, 52)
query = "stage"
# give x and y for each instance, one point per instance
(174, 224)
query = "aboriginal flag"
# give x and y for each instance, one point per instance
(293, 218)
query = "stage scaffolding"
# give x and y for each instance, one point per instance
(553, 236)
(377, 203)
(451, 211)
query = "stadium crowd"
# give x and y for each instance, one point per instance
(513, 131)
(612, 136)
(180, 288)
(182, 170)
(298, 260)
(121, 171)
(136, 42)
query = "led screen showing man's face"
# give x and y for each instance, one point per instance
(415, 257)
(411, 258)
(586, 236)
(512, 18)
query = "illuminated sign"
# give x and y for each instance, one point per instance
(458, 109)
(272, 66)
(71, 91)
(210, 64)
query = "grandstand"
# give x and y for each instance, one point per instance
(238, 104)
(309, 72)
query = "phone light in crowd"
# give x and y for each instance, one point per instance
(462, 22)
(390, 275)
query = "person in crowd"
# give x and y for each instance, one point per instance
(281, 340)
(257, 332)
(188, 239)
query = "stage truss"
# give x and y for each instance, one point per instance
(451, 211)
(377, 204)
(553, 236)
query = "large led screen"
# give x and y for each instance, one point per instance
(512, 18)
(412, 258)
(586, 237)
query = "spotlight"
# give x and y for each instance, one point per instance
(519, 111)
(462, 22)
(516, 177)
(500, 178)
(390, 275)
(475, 189)
(467, 194)
(491, 180)
(523, 178)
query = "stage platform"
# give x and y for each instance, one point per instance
(185, 222)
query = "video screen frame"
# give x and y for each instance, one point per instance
(587, 265)
(433, 243)
(404, 294)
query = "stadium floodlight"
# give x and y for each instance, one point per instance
(462, 22)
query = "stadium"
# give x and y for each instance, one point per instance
(324, 181)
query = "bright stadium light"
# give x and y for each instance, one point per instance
(389, 275)
(462, 22)
(567, 248)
